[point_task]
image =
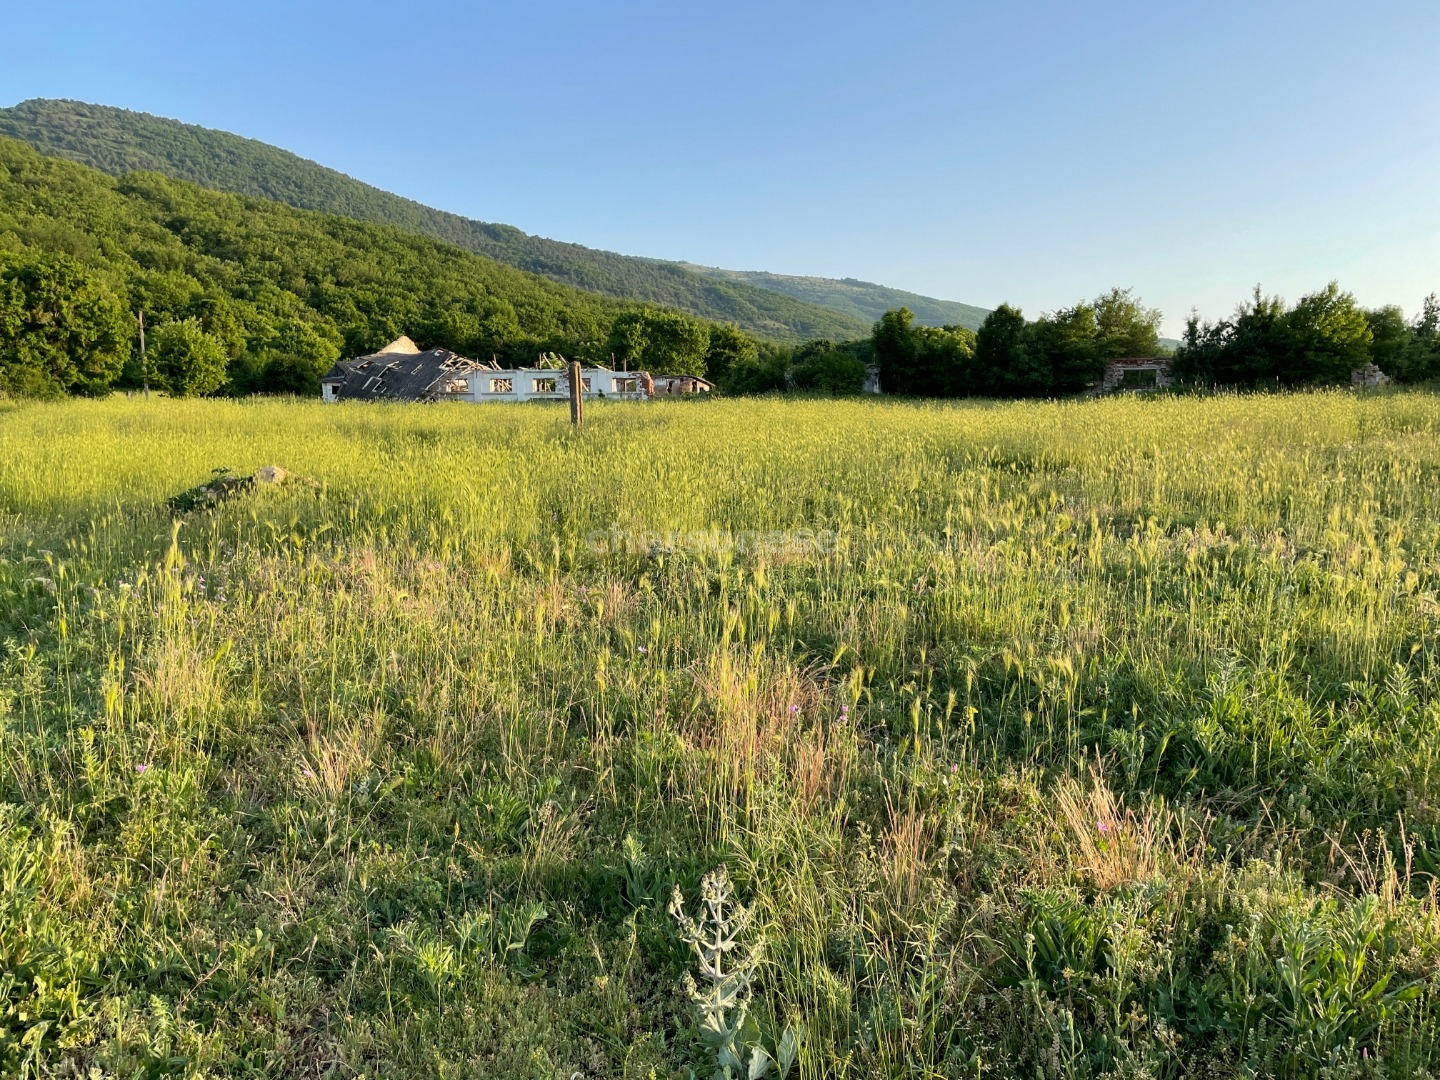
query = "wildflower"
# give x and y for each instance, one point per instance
(1104, 826)
(141, 768)
(954, 769)
(794, 709)
(308, 773)
(643, 651)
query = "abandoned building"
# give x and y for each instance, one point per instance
(399, 372)
(681, 384)
(1369, 377)
(553, 384)
(402, 372)
(1136, 373)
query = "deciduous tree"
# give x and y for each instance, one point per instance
(1004, 364)
(186, 361)
(729, 346)
(662, 342)
(61, 330)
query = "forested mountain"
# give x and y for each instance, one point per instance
(862, 299)
(257, 295)
(118, 141)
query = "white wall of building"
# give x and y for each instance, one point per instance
(544, 384)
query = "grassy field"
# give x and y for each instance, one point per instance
(1041, 740)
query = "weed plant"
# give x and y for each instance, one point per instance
(1104, 740)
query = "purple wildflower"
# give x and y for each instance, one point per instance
(643, 651)
(141, 768)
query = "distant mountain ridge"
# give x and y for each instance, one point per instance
(862, 299)
(787, 309)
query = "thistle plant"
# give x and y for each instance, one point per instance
(723, 995)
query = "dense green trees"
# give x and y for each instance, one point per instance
(1004, 362)
(1322, 339)
(1124, 326)
(728, 347)
(269, 295)
(661, 342)
(922, 360)
(186, 361)
(766, 372)
(1061, 353)
(1409, 352)
(825, 368)
(61, 329)
(121, 142)
(288, 356)
(817, 367)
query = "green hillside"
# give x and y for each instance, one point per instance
(862, 299)
(118, 142)
(283, 292)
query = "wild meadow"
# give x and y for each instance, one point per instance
(1092, 739)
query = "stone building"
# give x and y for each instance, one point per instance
(1137, 373)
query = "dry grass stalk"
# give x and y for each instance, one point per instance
(1111, 843)
(331, 764)
(904, 848)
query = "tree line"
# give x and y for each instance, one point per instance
(120, 142)
(249, 296)
(1319, 340)
(1062, 352)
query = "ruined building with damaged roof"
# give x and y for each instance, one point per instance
(401, 371)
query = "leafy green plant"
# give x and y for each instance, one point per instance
(727, 964)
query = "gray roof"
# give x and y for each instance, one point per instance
(398, 376)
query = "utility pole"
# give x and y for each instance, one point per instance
(144, 368)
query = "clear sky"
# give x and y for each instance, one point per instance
(1033, 152)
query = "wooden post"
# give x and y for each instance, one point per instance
(577, 394)
(144, 368)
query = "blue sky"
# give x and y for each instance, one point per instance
(1031, 152)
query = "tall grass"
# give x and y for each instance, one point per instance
(396, 777)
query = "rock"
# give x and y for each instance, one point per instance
(224, 485)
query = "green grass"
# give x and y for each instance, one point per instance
(1105, 742)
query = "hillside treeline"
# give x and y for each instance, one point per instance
(245, 295)
(120, 142)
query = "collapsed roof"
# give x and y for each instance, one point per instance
(399, 372)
